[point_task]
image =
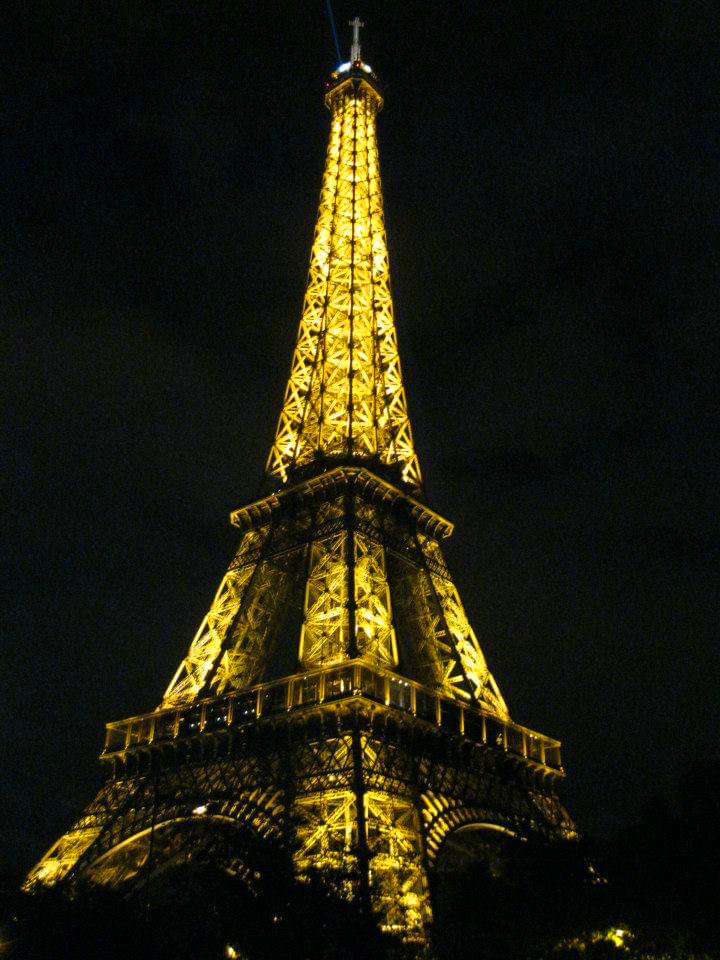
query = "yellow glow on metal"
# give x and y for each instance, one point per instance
(207, 643)
(345, 396)
(325, 633)
(373, 621)
(446, 643)
(463, 640)
(61, 857)
(396, 872)
(617, 937)
(325, 636)
(328, 839)
(238, 662)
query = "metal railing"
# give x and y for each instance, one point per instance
(350, 679)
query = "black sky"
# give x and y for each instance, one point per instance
(551, 176)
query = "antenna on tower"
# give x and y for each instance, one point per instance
(331, 18)
(355, 49)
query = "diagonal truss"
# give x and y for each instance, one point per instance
(242, 662)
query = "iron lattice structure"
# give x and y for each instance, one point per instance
(335, 700)
(345, 396)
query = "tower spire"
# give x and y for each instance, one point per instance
(345, 400)
(355, 49)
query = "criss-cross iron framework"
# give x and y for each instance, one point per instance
(335, 700)
(345, 395)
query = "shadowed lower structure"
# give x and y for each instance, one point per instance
(335, 700)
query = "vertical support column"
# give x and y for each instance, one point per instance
(424, 861)
(351, 315)
(148, 874)
(352, 648)
(363, 852)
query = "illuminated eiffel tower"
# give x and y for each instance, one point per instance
(335, 698)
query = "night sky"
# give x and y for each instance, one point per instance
(551, 175)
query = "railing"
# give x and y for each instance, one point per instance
(350, 679)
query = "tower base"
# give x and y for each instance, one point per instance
(366, 781)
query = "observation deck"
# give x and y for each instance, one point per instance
(355, 684)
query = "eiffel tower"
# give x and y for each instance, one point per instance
(335, 698)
